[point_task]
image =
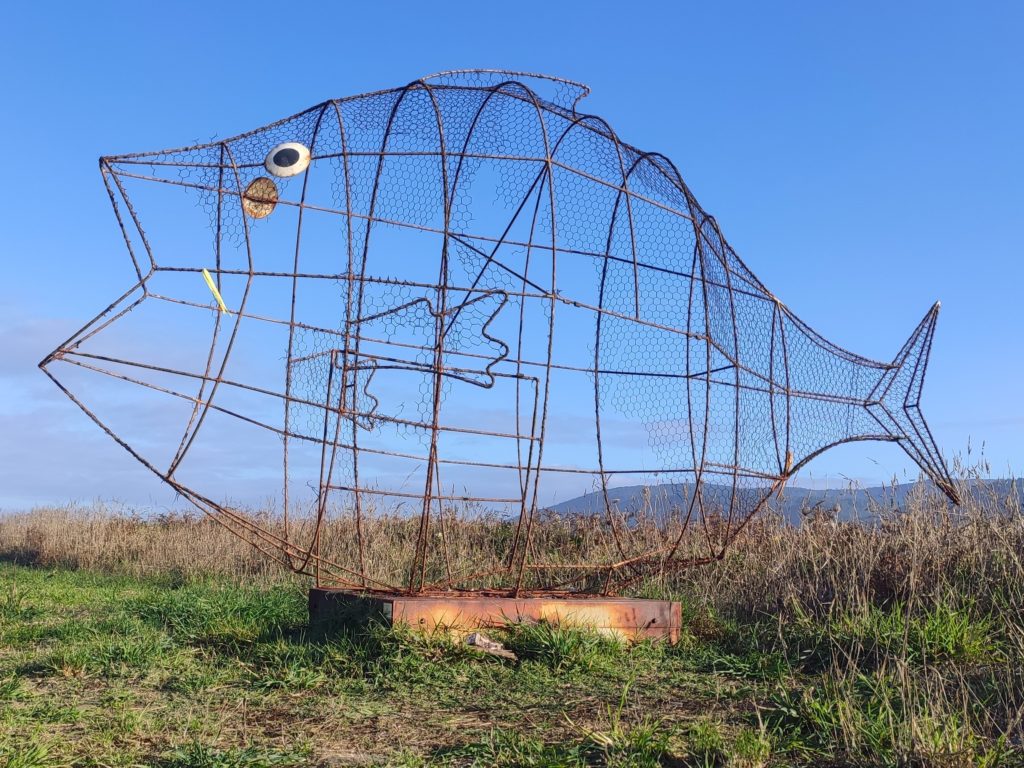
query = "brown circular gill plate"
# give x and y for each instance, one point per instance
(260, 198)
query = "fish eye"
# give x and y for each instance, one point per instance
(288, 159)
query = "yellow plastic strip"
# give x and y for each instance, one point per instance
(213, 289)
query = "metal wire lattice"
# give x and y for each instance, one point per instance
(473, 299)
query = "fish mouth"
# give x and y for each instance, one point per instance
(158, 378)
(175, 369)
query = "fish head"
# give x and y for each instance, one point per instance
(194, 339)
(250, 259)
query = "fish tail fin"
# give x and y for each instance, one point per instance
(895, 403)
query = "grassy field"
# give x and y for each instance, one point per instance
(134, 642)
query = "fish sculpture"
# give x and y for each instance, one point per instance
(457, 303)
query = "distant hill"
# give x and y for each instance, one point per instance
(795, 502)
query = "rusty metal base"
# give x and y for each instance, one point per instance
(628, 618)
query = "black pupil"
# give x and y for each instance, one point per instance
(285, 157)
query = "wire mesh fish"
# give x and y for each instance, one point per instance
(455, 300)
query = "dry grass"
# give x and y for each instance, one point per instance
(98, 538)
(192, 545)
(920, 552)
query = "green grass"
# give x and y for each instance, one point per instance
(934, 635)
(640, 746)
(111, 670)
(222, 615)
(563, 649)
(196, 755)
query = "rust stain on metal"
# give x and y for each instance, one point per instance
(628, 618)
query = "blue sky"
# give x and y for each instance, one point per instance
(865, 159)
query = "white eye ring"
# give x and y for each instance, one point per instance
(288, 159)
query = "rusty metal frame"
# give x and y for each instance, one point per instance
(764, 393)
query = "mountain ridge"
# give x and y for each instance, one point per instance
(794, 503)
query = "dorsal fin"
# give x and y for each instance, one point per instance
(557, 90)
